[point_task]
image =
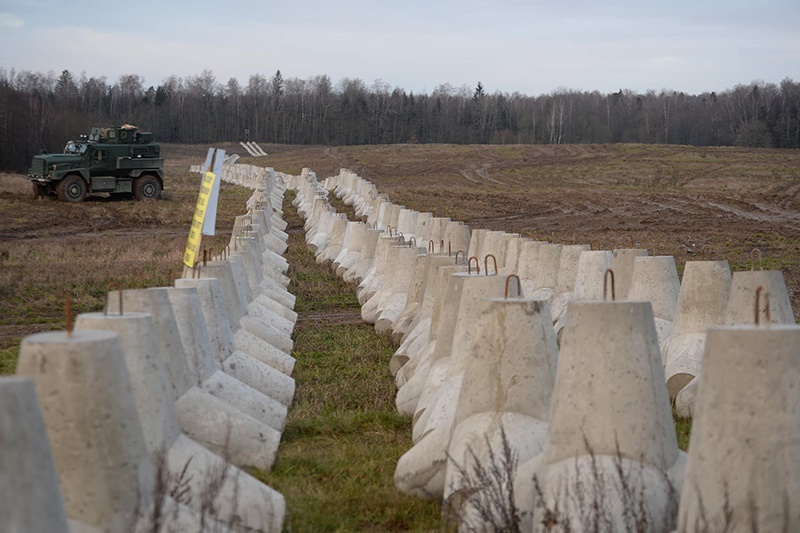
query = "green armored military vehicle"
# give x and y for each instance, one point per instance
(120, 161)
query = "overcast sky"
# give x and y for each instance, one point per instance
(530, 46)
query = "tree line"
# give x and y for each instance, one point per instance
(43, 110)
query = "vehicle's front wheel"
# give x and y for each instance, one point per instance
(71, 189)
(146, 188)
(39, 190)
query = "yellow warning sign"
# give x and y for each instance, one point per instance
(195, 232)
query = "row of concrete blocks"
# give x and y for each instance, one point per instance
(478, 372)
(154, 407)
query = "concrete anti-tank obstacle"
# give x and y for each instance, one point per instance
(443, 321)
(505, 394)
(335, 240)
(260, 377)
(250, 370)
(398, 287)
(390, 299)
(439, 395)
(416, 293)
(30, 496)
(565, 282)
(157, 302)
(743, 470)
(622, 265)
(740, 310)
(705, 289)
(537, 268)
(419, 344)
(742, 297)
(610, 426)
(106, 473)
(357, 272)
(223, 339)
(514, 248)
(219, 427)
(655, 279)
(345, 262)
(421, 470)
(592, 266)
(265, 325)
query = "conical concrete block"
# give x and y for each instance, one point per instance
(437, 401)
(742, 299)
(622, 265)
(610, 425)
(214, 424)
(589, 280)
(30, 496)
(701, 304)
(416, 289)
(408, 355)
(224, 341)
(541, 275)
(357, 272)
(565, 283)
(505, 395)
(241, 397)
(743, 471)
(655, 279)
(197, 345)
(456, 237)
(106, 470)
(513, 250)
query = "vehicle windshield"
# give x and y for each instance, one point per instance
(73, 147)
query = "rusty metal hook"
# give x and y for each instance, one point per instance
(431, 247)
(477, 265)
(449, 248)
(767, 306)
(519, 285)
(459, 252)
(703, 251)
(413, 240)
(486, 264)
(605, 285)
(760, 260)
(68, 316)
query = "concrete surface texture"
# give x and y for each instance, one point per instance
(655, 279)
(30, 494)
(743, 470)
(505, 395)
(610, 409)
(702, 302)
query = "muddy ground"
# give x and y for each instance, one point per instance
(670, 199)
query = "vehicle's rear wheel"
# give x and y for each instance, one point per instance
(146, 188)
(39, 190)
(71, 189)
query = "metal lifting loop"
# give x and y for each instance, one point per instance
(519, 285)
(431, 247)
(605, 285)
(703, 251)
(486, 264)
(68, 316)
(767, 306)
(477, 265)
(389, 229)
(760, 260)
(449, 248)
(459, 252)
(441, 246)
(412, 240)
